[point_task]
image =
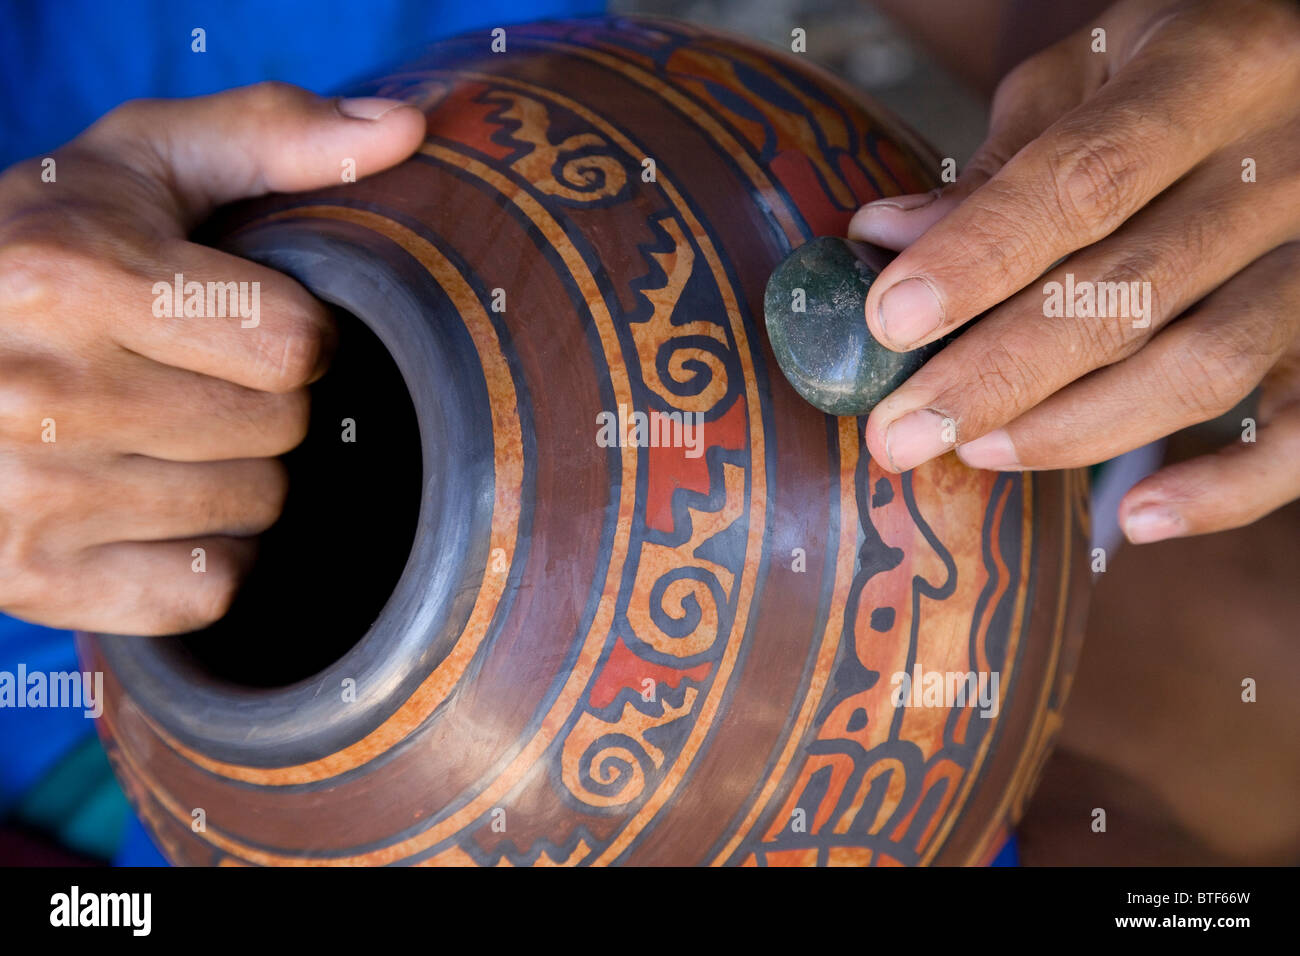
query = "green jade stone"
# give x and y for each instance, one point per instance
(826, 351)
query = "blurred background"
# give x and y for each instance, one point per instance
(858, 42)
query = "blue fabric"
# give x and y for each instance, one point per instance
(137, 847)
(65, 63)
(32, 740)
(1009, 855)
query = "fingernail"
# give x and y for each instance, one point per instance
(908, 312)
(915, 438)
(906, 202)
(993, 452)
(1153, 523)
(367, 107)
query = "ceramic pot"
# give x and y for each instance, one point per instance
(592, 584)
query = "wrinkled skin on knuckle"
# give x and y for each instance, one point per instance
(1273, 318)
(998, 247)
(287, 359)
(1175, 255)
(1113, 337)
(1214, 371)
(1098, 179)
(127, 146)
(1108, 339)
(997, 380)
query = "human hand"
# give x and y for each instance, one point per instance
(129, 439)
(1171, 160)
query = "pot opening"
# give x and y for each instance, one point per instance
(325, 570)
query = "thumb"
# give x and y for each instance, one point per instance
(269, 137)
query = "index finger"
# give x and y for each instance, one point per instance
(1075, 184)
(220, 315)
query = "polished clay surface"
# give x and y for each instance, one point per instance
(646, 605)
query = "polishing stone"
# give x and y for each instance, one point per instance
(826, 350)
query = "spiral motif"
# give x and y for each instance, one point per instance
(581, 168)
(692, 374)
(683, 606)
(613, 771)
(588, 175)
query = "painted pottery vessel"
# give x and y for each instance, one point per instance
(591, 584)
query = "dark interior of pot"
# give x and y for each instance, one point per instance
(326, 568)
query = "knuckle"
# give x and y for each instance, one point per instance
(271, 96)
(1098, 180)
(1214, 370)
(210, 601)
(1003, 376)
(71, 261)
(1122, 292)
(291, 358)
(31, 268)
(122, 119)
(27, 398)
(1107, 339)
(999, 241)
